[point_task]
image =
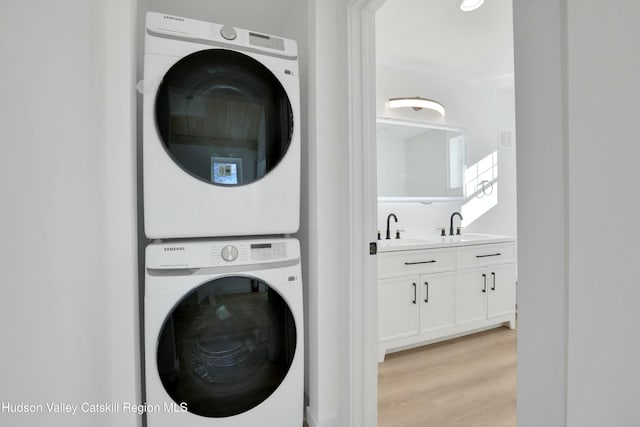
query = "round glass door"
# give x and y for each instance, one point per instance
(223, 117)
(226, 346)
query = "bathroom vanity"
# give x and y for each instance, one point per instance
(434, 289)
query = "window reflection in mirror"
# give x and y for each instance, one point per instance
(419, 162)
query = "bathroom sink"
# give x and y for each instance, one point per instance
(475, 239)
(430, 242)
(402, 244)
(474, 236)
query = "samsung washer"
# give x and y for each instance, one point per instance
(221, 131)
(224, 334)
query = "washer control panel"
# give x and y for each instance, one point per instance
(223, 253)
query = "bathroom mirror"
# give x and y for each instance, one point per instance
(419, 162)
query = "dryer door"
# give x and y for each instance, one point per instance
(226, 346)
(223, 117)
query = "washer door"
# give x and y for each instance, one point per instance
(223, 117)
(226, 346)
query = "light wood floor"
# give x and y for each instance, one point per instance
(466, 382)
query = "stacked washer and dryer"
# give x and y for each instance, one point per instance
(223, 319)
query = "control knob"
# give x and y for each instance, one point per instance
(229, 253)
(228, 32)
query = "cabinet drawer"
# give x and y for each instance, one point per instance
(409, 262)
(478, 255)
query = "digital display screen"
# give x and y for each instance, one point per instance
(226, 170)
(261, 246)
(266, 41)
(268, 251)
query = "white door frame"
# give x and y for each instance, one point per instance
(363, 295)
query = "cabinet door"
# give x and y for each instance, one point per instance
(502, 290)
(397, 308)
(471, 295)
(437, 306)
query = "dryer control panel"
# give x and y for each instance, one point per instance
(220, 253)
(161, 25)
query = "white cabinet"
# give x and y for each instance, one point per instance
(416, 292)
(397, 308)
(501, 298)
(471, 297)
(485, 293)
(437, 302)
(485, 283)
(428, 295)
(408, 306)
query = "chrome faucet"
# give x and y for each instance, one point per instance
(388, 235)
(451, 222)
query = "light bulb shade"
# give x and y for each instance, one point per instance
(469, 5)
(416, 103)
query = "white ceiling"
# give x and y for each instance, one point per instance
(434, 36)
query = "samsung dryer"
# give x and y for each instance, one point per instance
(224, 334)
(221, 131)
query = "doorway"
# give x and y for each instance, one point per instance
(503, 140)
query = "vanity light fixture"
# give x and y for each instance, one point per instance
(416, 103)
(469, 5)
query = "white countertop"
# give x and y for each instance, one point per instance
(432, 242)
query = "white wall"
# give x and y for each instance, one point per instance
(578, 290)
(121, 204)
(328, 159)
(542, 216)
(603, 88)
(483, 109)
(66, 335)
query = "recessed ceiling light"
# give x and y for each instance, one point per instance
(469, 5)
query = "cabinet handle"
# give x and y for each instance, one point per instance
(415, 293)
(426, 298)
(484, 278)
(493, 288)
(420, 262)
(484, 256)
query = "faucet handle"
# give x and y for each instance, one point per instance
(458, 230)
(398, 233)
(443, 232)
